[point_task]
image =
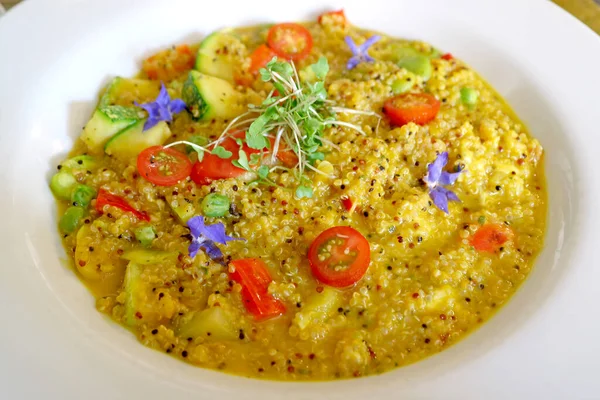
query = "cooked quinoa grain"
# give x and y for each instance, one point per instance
(427, 286)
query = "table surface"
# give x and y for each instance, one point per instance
(588, 11)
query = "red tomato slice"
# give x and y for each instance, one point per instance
(447, 57)
(254, 277)
(333, 17)
(290, 41)
(213, 168)
(490, 237)
(285, 154)
(347, 256)
(419, 108)
(163, 167)
(260, 57)
(347, 203)
(106, 198)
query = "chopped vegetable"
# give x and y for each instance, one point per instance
(359, 53)
(490, 237)
(209, 97)
(82, 195)
(402, 86)
(418, 65)
(290, 41)
(79, 163)
(347, 203)
(333, 17)
(106, 198)
(163, 166)
(168, 64)
(419, 108)
(217, 55)
(253, 276)
(447, 57)
(212, 323)
(145, 235)
(131, 141)
(318, 307)
(469, 96)
(71, 219)
(339, 256)
(62, 184)
(215, 205)
(260, 58)
(161, 109)
(146, 256)
(437, 178)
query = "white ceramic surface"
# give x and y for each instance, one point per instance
(56, 55)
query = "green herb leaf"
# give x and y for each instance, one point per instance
(318, 90)
(199, 150)
(265, 74)
(221, 152)
(316, 156)
(321, 68)
(263, 171)
(255, 159)
(254, 134)
(242, 161)
(304, 191)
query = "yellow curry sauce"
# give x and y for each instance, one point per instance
(426, 286)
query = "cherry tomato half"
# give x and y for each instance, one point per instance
(339, 256)
(419, 108)
(163, 166)
(254, 277)
(333, 17)
(447, 57)
(260, 57)
(490, 237)
(290, 41)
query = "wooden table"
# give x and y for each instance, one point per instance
(587, 11)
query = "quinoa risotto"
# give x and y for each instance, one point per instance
(302, 201)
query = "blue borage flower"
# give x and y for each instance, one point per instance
(436, 179)
(359, 53)
(205, 237)
(161, 109)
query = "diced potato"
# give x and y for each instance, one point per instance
(318, 308)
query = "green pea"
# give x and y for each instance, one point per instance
(82, 195)
(62, 185)
(402, 86)
(469, 96)
(145, 235)
(419, 65)
(215, 205)
(71, 219)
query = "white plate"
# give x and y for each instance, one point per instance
(56, 55)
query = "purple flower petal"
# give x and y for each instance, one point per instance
(193, 248)
(161, 109)
(447, 178)
(434, 170)
(212, 250)
(196, 225)
(352, 63)
(368, 43)
(177, 106)
(216, 233)
(355, 51)
(439, 198)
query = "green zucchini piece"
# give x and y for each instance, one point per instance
(62, 184)
(134, 292)
(215, 55)
(71, 219)
(214, 322)
(83, 162)
(132, 140)
(145, 235)
(105, 123)
(146, 256)
(208, 97)
(124, 91)
(184, 212)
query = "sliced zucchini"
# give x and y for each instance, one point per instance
(62, 185)
(124, 91)
(83, 162)
(145, 256)
(134, 291)
(215, 55)
(208, 97)
(133, 139)
(105, 123)
(214, 322)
